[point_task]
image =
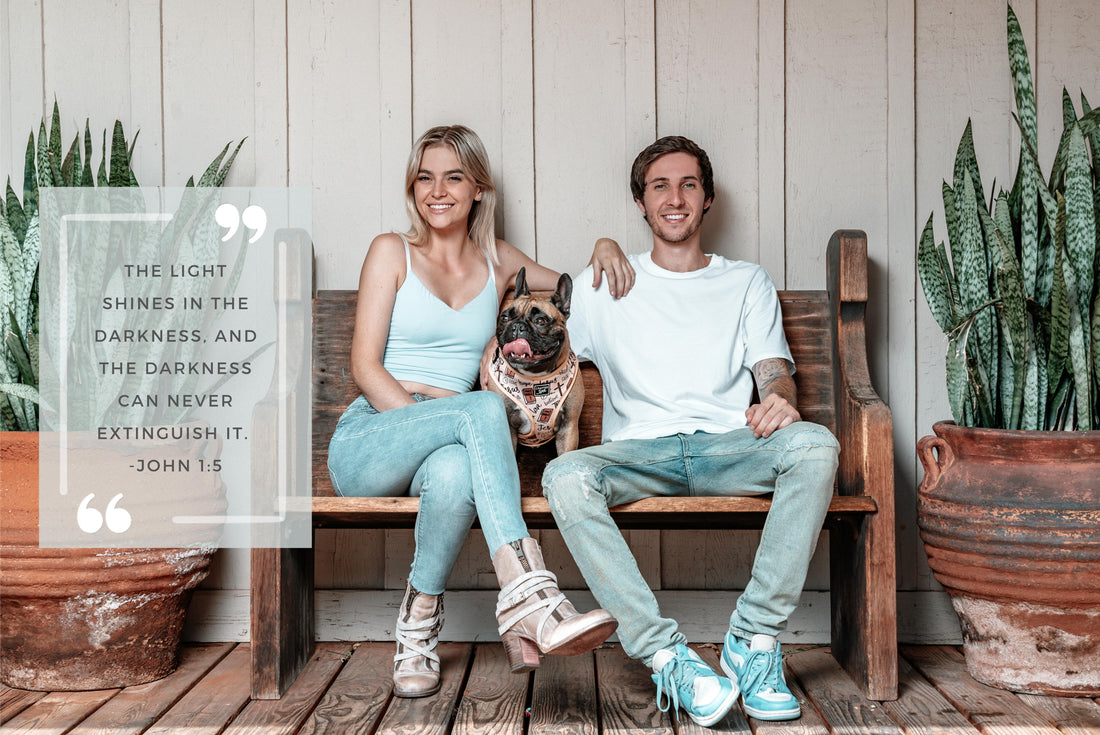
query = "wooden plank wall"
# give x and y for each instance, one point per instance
(817, 115)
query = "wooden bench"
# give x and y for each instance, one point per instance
(826, 333)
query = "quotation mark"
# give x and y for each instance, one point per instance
(91, 520)
(254, 218)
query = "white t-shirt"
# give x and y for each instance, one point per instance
(676, 353)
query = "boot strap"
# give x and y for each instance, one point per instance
(522, 591)
(418, 638)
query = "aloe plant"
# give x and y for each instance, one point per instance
(1018, 292)
(20, 241)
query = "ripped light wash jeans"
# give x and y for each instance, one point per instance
(797, 464)
(454, 452)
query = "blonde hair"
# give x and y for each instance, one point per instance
(481, 223)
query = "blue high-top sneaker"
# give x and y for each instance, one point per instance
(757, 667)
(684, 681)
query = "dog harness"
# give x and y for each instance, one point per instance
(540, 398)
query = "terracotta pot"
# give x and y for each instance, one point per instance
(1011, 525)
(76, 619)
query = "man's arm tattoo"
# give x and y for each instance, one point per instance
(774, 376)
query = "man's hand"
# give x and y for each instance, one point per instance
(778, 397)
(771, 414)
(609, 258)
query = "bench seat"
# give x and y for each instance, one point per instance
(825, 330)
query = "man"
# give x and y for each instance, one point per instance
(679, 355)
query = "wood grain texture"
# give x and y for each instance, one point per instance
(836, 697)
(57, 712)
(135, 709)
(293, 708)
(862, 555)
(213, 702)
(494, 699)
(920, 708)
(993, 711)
(1072, 715)
(356, 701)
(627, 696)
(563, 696)
(14, 701)
(431, 715)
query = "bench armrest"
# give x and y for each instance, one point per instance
(864, 422)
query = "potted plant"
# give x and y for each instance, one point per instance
(72, 618)
(1009, 507)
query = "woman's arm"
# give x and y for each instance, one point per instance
(382, 274)
(607, 259)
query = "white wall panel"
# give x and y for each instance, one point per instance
(349, 81)
(472, 65)
(21, 88)
(209, 88)
(707, 90)
(836, 130)
(594, 110)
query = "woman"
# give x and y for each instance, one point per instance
(427, 309)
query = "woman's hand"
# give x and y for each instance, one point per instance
(608, 258)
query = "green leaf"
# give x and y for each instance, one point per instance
(55, 137)
(1060, 304)
(30, 180)
(967, 162)
(43, 157)
(956, 375)
(70, 162)
(211, 172)
(220, 178)
(101, 176)
(19, 390)
(935, 280)
(120, 162)
(14, 214)
(1080, 224)
(1090, 125)
(86, 176)
(1022, 83)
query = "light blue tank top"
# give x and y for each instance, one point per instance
(433, 344)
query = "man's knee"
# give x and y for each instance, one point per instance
(571, 486)
(810, 440)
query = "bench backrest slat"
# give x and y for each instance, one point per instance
(806, 321)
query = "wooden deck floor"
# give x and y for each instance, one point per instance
(346, 689)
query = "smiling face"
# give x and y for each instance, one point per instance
(443, 191)
(673, 200)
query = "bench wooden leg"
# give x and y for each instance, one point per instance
(282, 618)
(864, 604)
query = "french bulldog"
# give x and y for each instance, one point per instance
(534, 369)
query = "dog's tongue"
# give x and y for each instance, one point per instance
(518, 347)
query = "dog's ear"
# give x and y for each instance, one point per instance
(521, 284)
(563, 296)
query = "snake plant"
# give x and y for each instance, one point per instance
(20, 241)
(1018, 293)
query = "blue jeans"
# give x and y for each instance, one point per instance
(454, 452)
(797, 464)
